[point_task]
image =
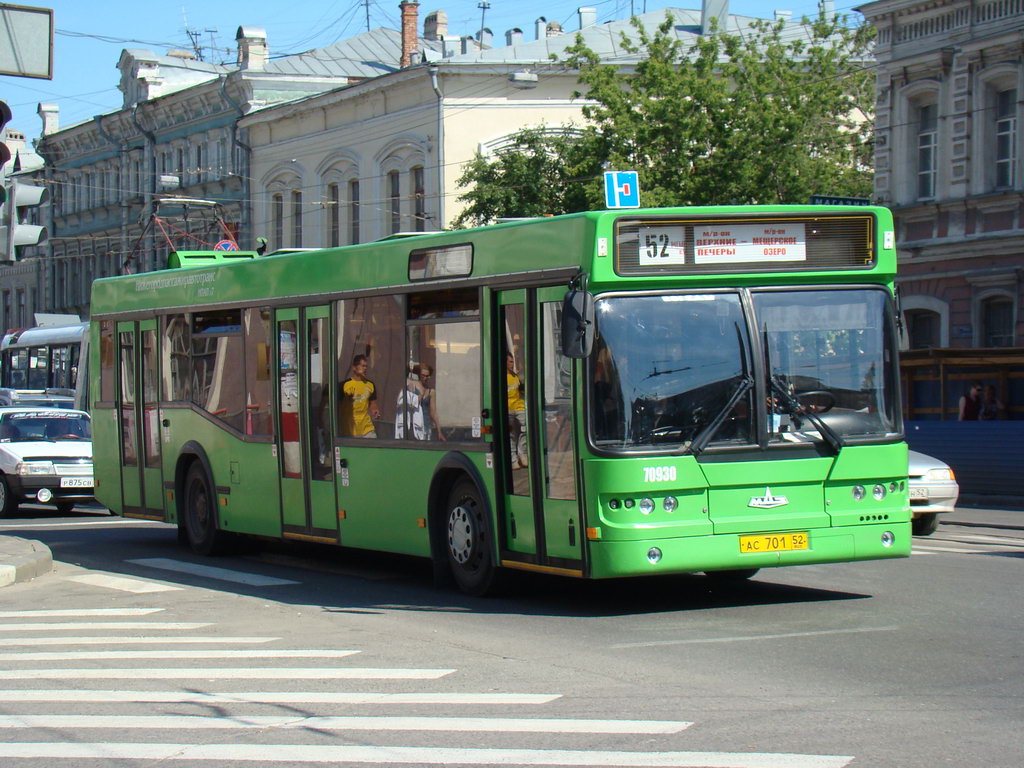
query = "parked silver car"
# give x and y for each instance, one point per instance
(933, 489)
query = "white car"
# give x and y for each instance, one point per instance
(933, 489)
(45, 458)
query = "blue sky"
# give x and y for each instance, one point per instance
(90, 35)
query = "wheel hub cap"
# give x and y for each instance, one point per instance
(460, 534)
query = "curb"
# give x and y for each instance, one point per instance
(23, 559)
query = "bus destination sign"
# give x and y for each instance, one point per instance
(749, 243)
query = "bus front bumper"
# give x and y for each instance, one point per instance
(694, 554)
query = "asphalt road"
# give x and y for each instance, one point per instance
(134, 651)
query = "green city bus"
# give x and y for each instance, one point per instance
(598, 395)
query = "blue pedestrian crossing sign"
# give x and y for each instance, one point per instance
(621, 189)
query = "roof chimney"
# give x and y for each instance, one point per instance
(409, 9)
(540, 27)
(252, 48)
(50, 115)
(484, 36)
(713, 9)
(435, 25)
(588, 16)
(787, 15)
(514, 36)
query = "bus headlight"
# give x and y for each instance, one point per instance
(878, 492)
(653, 555)
(888, 539)
(671, 503)
(35, 468)
(858, 492)
(646, 506)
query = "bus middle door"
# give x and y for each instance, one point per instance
(304, 432)
(139, 420)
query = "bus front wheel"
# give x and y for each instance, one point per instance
(469, 539)
(200, 513)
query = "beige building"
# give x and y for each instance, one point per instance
(381, 156)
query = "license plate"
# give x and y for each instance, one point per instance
(76, 482)
(918, 493)
(773, 542)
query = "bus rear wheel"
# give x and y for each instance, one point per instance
(200, 513)
(469, 540)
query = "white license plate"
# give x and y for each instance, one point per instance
(919, 493)
(76, 482)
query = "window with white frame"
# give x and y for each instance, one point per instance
(353, 211)
(419, 198)
(1006, 137)
(296, 218)
(927, 150)
(395, 201)
(332, 214)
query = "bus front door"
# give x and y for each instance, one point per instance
(540, 522)
(308, 507)
(139, 420)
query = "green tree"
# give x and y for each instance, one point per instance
(772, 115)
(537, 173)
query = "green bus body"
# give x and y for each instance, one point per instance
(677, 470)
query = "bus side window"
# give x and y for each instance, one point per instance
(371, 327)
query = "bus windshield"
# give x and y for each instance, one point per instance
(677, 371)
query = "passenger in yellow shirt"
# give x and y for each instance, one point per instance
(516, 414)
(359, 401)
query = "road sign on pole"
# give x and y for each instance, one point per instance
(621, 189)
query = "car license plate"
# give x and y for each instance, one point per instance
(773, 542)
(76, 482)
(918, 493)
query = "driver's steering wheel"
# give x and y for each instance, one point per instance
(814, 394)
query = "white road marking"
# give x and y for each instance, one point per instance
(106, 626)
(296, 753)
(228, 673)
(210, 572)
(273, 697)
(137, 586)
(743, 638)
(83, 523)
(188, 723)
(165, 653)
(938, 549)
(54, 612)
(1001, 540)
(137, 640)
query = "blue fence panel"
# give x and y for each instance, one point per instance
(987, 456)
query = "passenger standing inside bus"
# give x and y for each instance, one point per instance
(516, 413)
(359, 401)
(428, 403)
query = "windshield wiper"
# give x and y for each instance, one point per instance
(700, 442)
(798, 411)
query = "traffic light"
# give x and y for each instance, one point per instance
(16, 231)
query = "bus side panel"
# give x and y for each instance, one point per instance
(384, 504)
(106, 451)
(248, 471)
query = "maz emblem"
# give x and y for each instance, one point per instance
(768, 501)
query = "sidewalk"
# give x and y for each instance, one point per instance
(24, 559)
